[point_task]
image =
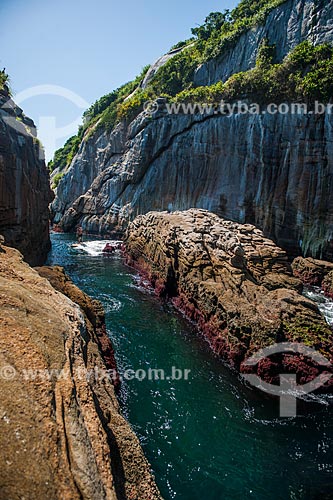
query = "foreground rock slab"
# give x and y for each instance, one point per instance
(61, 433)
(234, 283)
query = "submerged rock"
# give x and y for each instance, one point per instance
(61, 432)
(234, 283)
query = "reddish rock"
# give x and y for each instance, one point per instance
(313, 272)
(234, 283)
(327, 285)
(57, 229)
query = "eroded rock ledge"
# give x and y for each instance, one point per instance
(61, 436)
(236, 284)
(315, 272)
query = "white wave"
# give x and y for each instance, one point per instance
(325, 305)
(95, 248)
(110, 303)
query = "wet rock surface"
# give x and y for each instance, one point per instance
(273, 171)
(261, 170)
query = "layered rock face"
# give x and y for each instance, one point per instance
(61, 432)
(24, 184)
(271, 171)
(274, 171)
(234, 283)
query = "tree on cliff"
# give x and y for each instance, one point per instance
(213, 22)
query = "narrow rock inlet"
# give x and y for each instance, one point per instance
(166, 250)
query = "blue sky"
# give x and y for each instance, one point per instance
(88, 47)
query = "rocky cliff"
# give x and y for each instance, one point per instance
(274, 171)
(290, 24)
(24, 184)
(234, 283)
(61, 432)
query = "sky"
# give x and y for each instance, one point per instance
(62, 55)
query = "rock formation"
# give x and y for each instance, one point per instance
(94, 314)
(273, 171)
(24, 184)
(61, 433)
(234, 283)
(286, 26)
(315, 273)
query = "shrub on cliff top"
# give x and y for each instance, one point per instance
(217, 34)
(213, 23)
(4, 80)
(304, 75)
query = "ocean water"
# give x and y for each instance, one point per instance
(209, 437)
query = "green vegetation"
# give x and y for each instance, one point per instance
(56, 179)
(4, 79)
(315, 334)
(64, 155)
(104, 113)
(219, 32)
(181, 45)
(104, 102)
(213, 23)
(304, 75)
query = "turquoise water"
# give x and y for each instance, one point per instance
(209, 437)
